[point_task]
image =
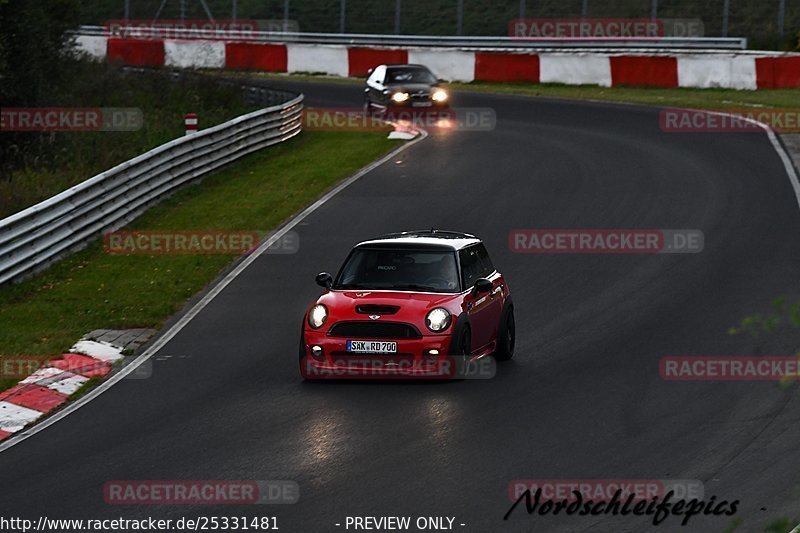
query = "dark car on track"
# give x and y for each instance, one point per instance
(403, 86)
(409, 304)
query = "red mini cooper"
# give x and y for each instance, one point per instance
(411, 304)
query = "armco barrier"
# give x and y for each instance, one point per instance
(608, 67)
(37, 236)
(430, 41)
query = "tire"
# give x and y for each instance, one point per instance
(506, 336)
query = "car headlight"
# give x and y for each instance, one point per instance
(438, 319)
(317, 316)
(439, 95)
(399, 97)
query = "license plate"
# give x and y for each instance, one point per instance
(420, 104)
(371, 347)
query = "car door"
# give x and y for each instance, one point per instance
(481, 308)
(495, 307)
(375, 86)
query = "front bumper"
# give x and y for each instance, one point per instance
(414, 359)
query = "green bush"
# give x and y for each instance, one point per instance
(37, 165)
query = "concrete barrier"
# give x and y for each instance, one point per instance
(575, 69)
(701, 69)
(194, 54)
(317, 58)
(450, 65)
(717, 71)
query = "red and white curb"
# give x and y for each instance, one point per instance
(402, 131)
(52, 385)
(683, 68)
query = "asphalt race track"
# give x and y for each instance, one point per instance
(583, 398)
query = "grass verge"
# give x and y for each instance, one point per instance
(93, 290)
(690, 98)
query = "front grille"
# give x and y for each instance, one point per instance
(377, 309)
(421, 96)
(374, 330)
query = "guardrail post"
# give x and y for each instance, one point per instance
(397, 8)
(522, 9)
(190, 123)
(781, 17)
(460, 17)
(342, 14)
(654, 9)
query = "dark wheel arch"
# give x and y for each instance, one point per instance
(462, 324)
(506, 333)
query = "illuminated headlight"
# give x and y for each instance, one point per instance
(439, 95)
(438, 319)
(317, 316)
(399, 97)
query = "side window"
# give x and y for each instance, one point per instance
(486, 264)
(377, 75)
(470, 266)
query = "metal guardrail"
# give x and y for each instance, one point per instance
(477, 43)
(39, 235)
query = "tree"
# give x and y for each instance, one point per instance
(34, 48)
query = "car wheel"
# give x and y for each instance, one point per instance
(506, 336)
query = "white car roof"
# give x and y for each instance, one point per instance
(446, 239)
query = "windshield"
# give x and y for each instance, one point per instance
(409, 75)
(416, 270)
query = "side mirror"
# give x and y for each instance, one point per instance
(482, 285)
(324, 279)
